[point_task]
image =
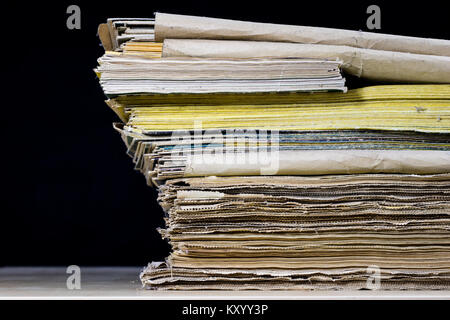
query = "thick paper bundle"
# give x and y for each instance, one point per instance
(164, 143)
(365, 63)
(368, 55)
(305, 232)
(273, 176)
(162, 156)
(423, 108)
(124, 74)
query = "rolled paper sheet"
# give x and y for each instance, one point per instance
(365, 63)
(173, 26)
(319, 162)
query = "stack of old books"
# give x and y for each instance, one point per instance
(271, 174)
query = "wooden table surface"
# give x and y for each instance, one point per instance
(124, 283)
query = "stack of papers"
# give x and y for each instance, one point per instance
(409, 107)
(374, 56)
(305, 232)
(272, 175)
(161, 156)
(125, 75)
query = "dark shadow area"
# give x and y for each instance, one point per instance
(71, 195)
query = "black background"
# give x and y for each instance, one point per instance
(70, 194)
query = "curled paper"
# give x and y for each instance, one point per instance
(172, 26)
(366, 63)
(318, 162)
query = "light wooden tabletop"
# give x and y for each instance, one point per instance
(123, 283)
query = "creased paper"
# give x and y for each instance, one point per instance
(366, 63)
(172, 26)
(317, 162)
